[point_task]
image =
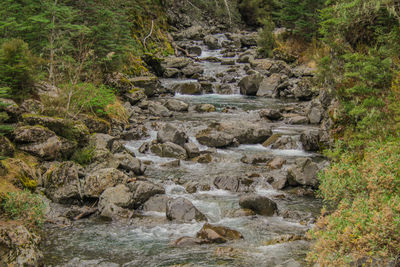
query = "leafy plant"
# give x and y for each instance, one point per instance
(266, 41)
(84, 155)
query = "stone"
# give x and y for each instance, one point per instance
(135, 133)
(241, 213)
(19, 247)
(187, 241)
(171, 73)
(212, 42)
(169, 133)
(169, 150)
(298, 120)
(205, 108)
(150, 84)
(227, 183)
(7, 149)
(129, 163)
(50, 149)
(303, 90)
(192, 69)
(310, 140)
(204, 159)
(191, 149)
(256, 159)
(249, 40)
(182, 210)
(304, 172)
(271, 114)
(62, 183)
(212, 138)
(95, 124)
(218, 234)
(156, 203)
(156, 109)
(171, 164)
(250, 85)
(134, 96)
(32, 134)
(115, 212)
(269, 85)
(176, 105)
(119, 195)
(279, 180)
(315, 112)
(100, 180)
(188, 88)
(175, 62)
(195, 50)
(259, 204)
(143, 191)
(228, 61)
(276, 163)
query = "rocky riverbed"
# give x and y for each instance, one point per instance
(218, 166)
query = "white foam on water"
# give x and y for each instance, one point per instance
(174, 190)
(167, 231)
(216, 192)
(154, 213)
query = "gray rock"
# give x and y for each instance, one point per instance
(250, 85)
(310, 140)
(189, 88)
(204, 108)
(256, 159)
(191, 70)
(298, 120)
(218, 234)
(128, 163)
(119, 195)
(157, 109)
(191, 149)
(259, 204)
(150, 84)
(315, 112)
(175, 62)
(271, 114)
(176, 105)
(62, 183)
(182, 210)
(212, 42)
(100, 180)
(169, 133)
(304, 172)
(156, 203)
(32, 134)
(269, 85)
(7, 149)
(214, 138)
(187, 241)
(143, 191)
(303, 90)
(135, 96)
(249, 40)
(115, 212)
(171, 73)
(195, 50)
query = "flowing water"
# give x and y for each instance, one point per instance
(145, 240)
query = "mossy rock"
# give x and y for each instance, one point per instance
(20, 173)
(7, 149)
(71, 130)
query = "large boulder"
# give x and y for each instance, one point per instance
(271, 114)
(218, 234)
(19, 247)
(259, 204)
(32, 134)
(212, 42)
(304, 172)
(213, 138)
(191, 70)
(156, 203)
(176, 105)
(100, 180)
(169, 133)
(302, 91)
(156, 109)
(250, 85)
(191, 149)
(129, 163)
(182, 210)
(175, 62)
(71, 130)
(134, 96)
(232, 183)
(269, 85)
(310, 140)
(188, 88)
(95, 124)
(62, 182)
(143, 191)
(150, 84)
(119, 195)
(169, 150)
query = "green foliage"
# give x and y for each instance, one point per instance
(367, 220)
(4, 129)
(266, 41)
(84, 156)
(254, 12)
(24, 206)
(16, 71)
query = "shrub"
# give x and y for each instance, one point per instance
(366, 223)
(16, 69)
(84, 156)
(266, 41)
(24, 206)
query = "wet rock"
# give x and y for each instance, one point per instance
(269, 85)
(218, 234)
(256, 159)
(304, 172)
(169, 150)
(315, 112)
(213, 138)
(176, 105)
(284, 142)
(191, 149)
(143, 191)
(156, 203)
(128, 163)
(271, 140)
(171, 164)
(205, 108)
(259, 204)
(144, 147)
(212, 42)
(227, 183)
(135, 96)
(276, 163)
(279, 179)
(7, 149)
(134, 133)
(188, 88)
(100, 180)
(310, 140)
(224, 89)
(204, 159)
(195, 50)
(303, 90)
(182, 210)
(115, 212)
(19, 247)
(241, 213)
(187, 241)
(250, 85)
(228, 61)
(270, 114)
(249, 40)
(156, 109)
(169, 133)
(32, 134)
(150, 84)
(120, 196)
(62, 183)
